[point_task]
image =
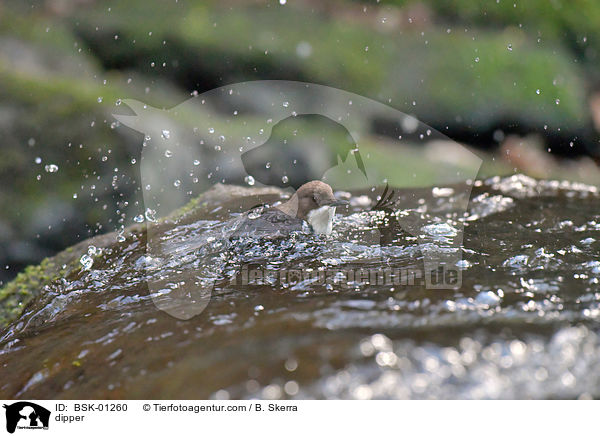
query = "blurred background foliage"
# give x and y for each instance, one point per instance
(516, 80)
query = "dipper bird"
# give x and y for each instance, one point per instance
(313, 203)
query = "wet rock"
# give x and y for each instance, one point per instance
(309, 317)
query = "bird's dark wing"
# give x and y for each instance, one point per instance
(271, 223)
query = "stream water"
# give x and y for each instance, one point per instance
(523, 323)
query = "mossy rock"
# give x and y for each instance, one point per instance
(34, 280)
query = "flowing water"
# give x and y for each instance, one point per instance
(523, 324)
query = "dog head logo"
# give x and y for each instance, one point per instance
(282, 133)
(26, 415)
(305, 147)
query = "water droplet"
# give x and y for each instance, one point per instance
(86, 262)
(477, 59)
(538, 91)
(268, 165)
(168, 153)
(284, 179)
(118, 102)
(303, 50)
(177, 183)
(52, 168)
(38, 160)
(557, 101)
(165, 134)
(509, 47)
(442, 192)
(93, 251)
(282, 2)
(286, 103)
(196, 162)
(100, 99)
(150, 215)
(211, 130)
(249, 180)
(139, 218)
(255, 213)
(463, 264)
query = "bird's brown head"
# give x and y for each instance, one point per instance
(310, 196)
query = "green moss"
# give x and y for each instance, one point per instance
(192, 205)
(438, 76)
(30, 283)
(15, 296)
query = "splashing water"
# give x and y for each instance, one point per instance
(523, 324)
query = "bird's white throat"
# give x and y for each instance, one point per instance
(321, 219)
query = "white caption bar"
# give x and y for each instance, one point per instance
(297, 417)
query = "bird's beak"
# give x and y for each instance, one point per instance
(338, 203)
